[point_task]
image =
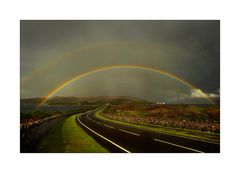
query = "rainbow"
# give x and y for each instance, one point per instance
(80, 76)
(85, 49)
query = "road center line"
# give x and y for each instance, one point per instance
(129, 132)
(158, 140)
(109, 126)
(103, 137)
(97, 122)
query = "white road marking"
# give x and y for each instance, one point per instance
(98, 122)
(129, 132)
(191, 138)
(109, 126)
(103, 137)
(92, 120)
(178, 145)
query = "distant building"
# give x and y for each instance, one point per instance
(160, 103)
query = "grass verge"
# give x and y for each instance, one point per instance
(76, 140)
(198, 135)
(67, 136)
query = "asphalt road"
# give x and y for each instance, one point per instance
(119, 138)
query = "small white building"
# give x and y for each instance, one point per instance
(160, 103)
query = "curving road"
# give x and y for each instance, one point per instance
(120, 138)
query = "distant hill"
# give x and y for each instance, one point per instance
(60, 100)
(36, 100)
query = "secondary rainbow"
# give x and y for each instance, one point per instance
(88, 48)
(82, 75)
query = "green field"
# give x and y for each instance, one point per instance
(69, 137)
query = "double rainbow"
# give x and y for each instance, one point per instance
(82, 75)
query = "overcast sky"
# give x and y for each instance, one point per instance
(55, 51)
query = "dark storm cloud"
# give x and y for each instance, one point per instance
(189, 49)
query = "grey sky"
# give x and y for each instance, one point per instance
(54, 51)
